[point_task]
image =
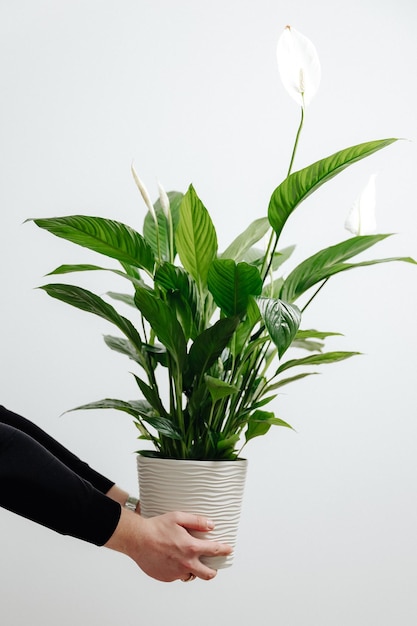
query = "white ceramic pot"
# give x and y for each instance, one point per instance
(210, 488)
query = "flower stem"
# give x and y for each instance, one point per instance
(274, 247)
(297, 137)
(314, 294)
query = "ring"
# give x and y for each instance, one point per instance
(190, 577)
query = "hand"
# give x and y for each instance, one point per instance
(163, 548)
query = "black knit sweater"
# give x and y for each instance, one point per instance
(44, 482)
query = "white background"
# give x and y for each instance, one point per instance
(190, 91)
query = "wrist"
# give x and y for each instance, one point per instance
(131, 503)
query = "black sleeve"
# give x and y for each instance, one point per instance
(60, 452)
(34, 483)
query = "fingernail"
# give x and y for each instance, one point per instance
(210, 524)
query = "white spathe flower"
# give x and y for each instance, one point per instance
(298, 65)
(164, 200)
(361, 218)
(144, 193)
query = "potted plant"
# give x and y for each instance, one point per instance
(210, 330)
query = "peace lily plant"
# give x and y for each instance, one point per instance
(210, 330)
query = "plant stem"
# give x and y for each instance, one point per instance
(170, 238)
(271, 254)
(297, 137)
(314, 294)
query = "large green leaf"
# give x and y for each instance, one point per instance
(209, 345)
(90, 302)
(330, 261)
(196, 238)
(299, 185)
(232, 284)
(149, 226)
(281, 321)
(108, 237)
(163, 322)
(243, 242)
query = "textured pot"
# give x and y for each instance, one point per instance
(210, 488)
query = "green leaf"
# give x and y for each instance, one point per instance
(157, 353)
(164, 427)
(281, 320)
(316, 359)
(233, 284)
(149, 226)
(311, 340)
(243, 242)
(182, 294)
(196, 238)
(126, 298)
(260, 422)
(311, 333)
(218, 388)
(227, 446)
(151, 395)
(164, 323)
(287, 381)
(136, 408)
(246, 326)
(328, 262)
(299, 185)
(208, 346)
(256, 256)
(123, 346)
(67, 269)
(90, 302)
(174, 278)
(108, 237)
(308, 344)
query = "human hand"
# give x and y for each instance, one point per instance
(162, 546)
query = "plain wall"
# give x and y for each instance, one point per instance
(190, 91)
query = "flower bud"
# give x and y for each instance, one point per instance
(361, 218)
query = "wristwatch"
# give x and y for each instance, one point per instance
(131, 503)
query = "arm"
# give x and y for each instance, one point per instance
(37, 485)
(81, 468)
(120, 495)
(69, 459)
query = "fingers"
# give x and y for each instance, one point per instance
(203, 547)
(194, 522)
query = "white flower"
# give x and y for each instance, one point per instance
(298, 65)
(144, 193)
(164, 200)
(361, 218)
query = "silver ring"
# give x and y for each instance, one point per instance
(189, 579)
